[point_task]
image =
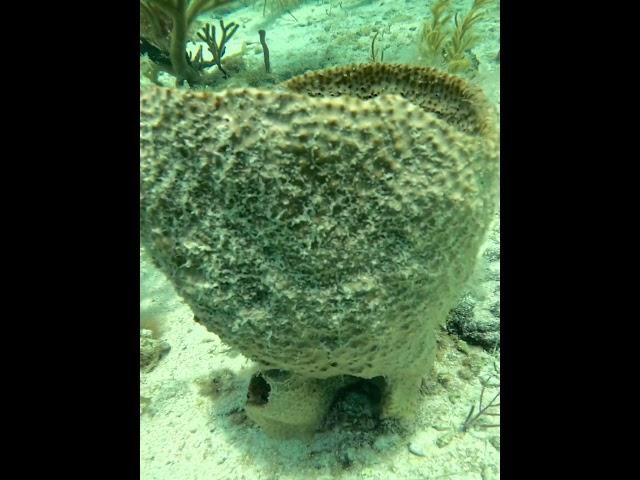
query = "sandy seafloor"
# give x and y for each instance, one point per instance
(191, 422)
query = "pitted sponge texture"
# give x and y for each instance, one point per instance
(325, 228)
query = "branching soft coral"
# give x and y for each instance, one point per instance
(155, 18)
(434, 33)
(463, 37)
(208, 36)
(439, 45)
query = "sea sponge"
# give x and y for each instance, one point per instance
(324, 229)
(285, 404)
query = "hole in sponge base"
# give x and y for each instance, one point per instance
(259, 390)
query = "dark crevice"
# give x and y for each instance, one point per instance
(259, 390)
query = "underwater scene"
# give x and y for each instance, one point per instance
(319, 239)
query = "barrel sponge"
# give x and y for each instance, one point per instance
(327, 227)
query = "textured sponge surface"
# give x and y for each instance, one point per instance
(321, 234)
(446, 96)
